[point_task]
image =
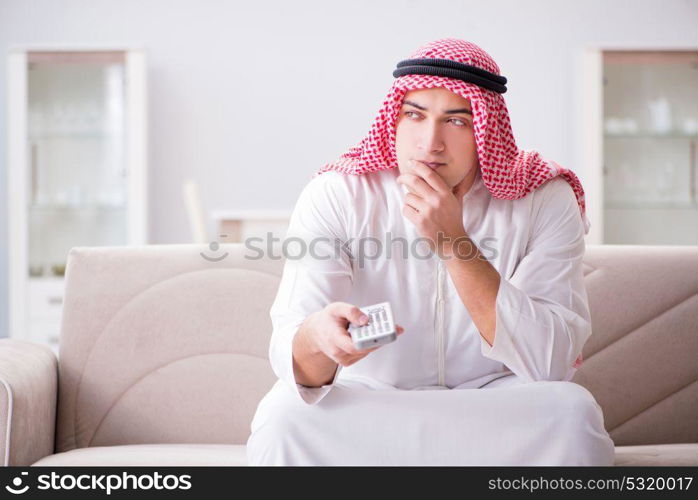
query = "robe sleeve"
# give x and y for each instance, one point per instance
(317, 271)
(542, 310)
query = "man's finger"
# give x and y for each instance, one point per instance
(416, 185)
(345, 343)
(362, 353)
(348, 311)
(415, 202)
(400, 330)
(434, 180)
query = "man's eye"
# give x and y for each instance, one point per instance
(460, 122)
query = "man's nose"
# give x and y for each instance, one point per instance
(430, 139)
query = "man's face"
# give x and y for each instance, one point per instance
(436, 125)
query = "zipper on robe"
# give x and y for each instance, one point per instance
(440, 323)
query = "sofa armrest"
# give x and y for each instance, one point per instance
(28, 396)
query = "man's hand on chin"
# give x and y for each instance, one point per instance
(433, 206)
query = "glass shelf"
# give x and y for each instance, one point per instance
(74, 135)
(86, 207)
(651, 206)
(650, 135)
(48, 278)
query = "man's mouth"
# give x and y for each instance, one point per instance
(432, 165)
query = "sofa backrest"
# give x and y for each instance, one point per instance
(641, 361)
(161, 344)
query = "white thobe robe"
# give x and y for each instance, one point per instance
(348, 241)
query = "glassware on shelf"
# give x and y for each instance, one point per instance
(113, 199)
(76, 196)
(613, 125)
(621, 126)
(664, 181)
(660, 115)
(630, 126)
(690, 126)
(36, 270)
(58, 269)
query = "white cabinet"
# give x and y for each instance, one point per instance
(76, 170)
(640, 144)
(649, 147)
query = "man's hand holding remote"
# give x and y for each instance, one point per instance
(323, 342)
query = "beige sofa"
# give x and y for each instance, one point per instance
(163, 358)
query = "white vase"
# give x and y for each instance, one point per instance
(660, 115)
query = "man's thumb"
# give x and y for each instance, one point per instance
(352, 313)
(357, 317)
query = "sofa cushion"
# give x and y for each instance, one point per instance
(150, 455)
(658, 454)
(234, 454)
(640, 361)
(159, 345)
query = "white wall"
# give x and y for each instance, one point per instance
(250, 98)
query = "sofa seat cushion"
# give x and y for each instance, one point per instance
(234, 454)
(150, 455)
(658, 454)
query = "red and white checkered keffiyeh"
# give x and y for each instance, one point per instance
(508, 172)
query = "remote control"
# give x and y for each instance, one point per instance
(379, 330)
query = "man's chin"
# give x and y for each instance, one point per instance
(447, 178)
(439, 171)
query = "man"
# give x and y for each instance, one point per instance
(493, 298)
